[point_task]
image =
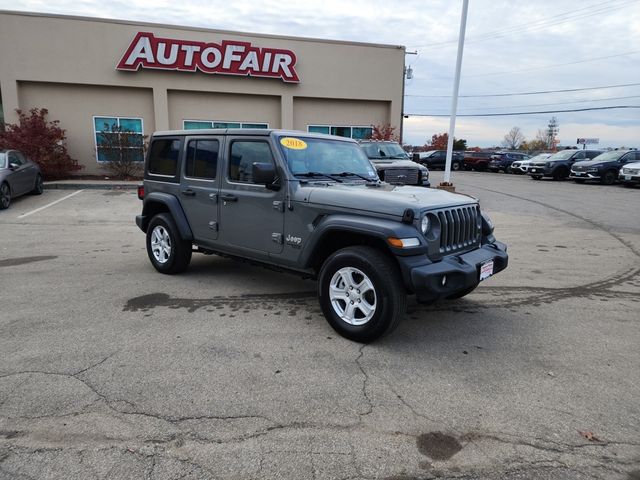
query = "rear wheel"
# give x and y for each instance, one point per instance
(609, 178)
(455, 166)
(168, 252)
(5, 196)
(38, 187)
(361, 293)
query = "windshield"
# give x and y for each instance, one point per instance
(609, 156)
(563, 155)
(384, 150)
(3, 160)
(319, 157)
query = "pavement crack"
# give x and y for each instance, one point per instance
(365, 381)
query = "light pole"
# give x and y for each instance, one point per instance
(446, 184)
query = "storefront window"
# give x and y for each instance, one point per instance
(119, 138)
(200, 124)
(342, 131)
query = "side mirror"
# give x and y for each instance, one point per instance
(263, 173)
(13, 166)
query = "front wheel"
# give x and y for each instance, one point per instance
(5, 196)
(609, 178)
(361, 293)
(168, 252)
(38, 187)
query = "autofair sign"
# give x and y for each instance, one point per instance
(588, 141)
(226, 57)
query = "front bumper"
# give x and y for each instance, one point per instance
(542, 171)
(584, 175)
(629, 179)
(460, 272)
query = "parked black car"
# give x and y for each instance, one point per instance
(503, 160)
(604, 168)
(558, 165)
(18, 176)
(437, 159)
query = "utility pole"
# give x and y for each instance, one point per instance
(446, 184)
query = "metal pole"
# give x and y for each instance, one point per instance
(456, 86)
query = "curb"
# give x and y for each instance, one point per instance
(90, 186)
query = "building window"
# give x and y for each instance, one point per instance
(119, 138)
(357, 132)
(201, 124)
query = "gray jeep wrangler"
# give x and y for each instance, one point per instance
(313, 204)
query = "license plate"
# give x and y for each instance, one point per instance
(486, 270)
(627, 177)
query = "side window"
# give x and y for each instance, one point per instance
(163, 157)
(202, 159)
(243, 155)
(13, 158)
(21, 158)
(579, 156)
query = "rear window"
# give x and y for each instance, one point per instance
(163, 157)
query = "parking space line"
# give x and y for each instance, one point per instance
(50, 204)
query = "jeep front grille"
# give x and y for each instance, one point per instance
(459, 228)
(408, 176)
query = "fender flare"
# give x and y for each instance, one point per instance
(175, 209)
(377, 228)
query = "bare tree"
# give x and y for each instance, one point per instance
(513, 139)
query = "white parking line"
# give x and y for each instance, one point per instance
(49, 204)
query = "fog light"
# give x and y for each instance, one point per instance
(444, 280)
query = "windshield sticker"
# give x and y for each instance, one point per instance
(293, 143)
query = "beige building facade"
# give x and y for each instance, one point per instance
(95, 74)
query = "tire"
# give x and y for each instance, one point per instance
(455, 166)
(609, 178)
(167, 251)
(560, 174)
(345, 271)
(38, 188)
(462, 293)
(5, 196)
(536, 177)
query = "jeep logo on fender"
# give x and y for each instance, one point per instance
(227, 58)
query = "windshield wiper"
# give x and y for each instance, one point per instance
(318, 174)
(351, 174)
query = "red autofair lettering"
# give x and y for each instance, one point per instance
(228, 58)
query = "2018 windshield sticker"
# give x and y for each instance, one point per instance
(293, 143)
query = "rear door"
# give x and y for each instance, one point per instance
(200, 184)
(251, 216)
(19, 178)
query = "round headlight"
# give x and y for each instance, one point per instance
(424, 225)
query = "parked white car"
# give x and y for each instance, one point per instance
(630, 174)
(522, 166)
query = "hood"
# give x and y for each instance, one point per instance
(396, 163)
(385, 199)
(593, 163)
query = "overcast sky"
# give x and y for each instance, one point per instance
(512, 46)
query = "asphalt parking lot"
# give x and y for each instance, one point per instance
(111, 370)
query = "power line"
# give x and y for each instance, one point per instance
(595, 9)
(558, 103)
(542, 67)
(507, 114)
(529, 93)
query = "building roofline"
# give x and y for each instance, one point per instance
(195, 29)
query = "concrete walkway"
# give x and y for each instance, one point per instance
(74, 184)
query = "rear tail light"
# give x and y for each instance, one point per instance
(141, 192)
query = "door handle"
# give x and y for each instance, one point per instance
(188, 193)
(229, 198)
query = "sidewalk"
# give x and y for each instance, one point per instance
(92, 184)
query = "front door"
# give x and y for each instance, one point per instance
(199, 186)
(251, 215)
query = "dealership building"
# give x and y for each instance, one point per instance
(94, 75)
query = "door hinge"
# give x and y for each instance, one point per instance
(277, 237)
(213, 226)
(278, 205)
